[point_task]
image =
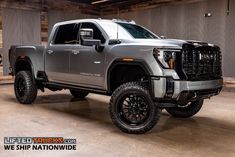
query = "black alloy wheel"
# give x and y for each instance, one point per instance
(132, 109)
(187, 110)
(21, 87)
(25, 87)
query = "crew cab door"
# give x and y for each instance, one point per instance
(86, 64)
(57, 56)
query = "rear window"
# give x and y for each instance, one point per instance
(67, 34)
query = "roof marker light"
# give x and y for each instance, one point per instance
(128, 59)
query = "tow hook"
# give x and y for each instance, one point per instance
(195, 95)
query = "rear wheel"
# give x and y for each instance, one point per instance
(25, 87)
(132, 109)
(79, 93)
(187, 110)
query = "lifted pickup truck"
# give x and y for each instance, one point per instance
(142, 72)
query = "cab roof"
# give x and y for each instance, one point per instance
(94, 20)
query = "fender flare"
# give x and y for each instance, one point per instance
(24, 59)
(119, 61)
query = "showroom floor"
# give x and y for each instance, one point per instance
(209, 133)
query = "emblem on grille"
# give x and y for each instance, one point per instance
(206, 57)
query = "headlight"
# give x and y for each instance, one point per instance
(165, 57)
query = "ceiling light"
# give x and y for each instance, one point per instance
(100, 1)
(207, 14)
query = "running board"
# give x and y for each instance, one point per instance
(68, 86)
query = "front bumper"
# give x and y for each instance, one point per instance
(175, 89)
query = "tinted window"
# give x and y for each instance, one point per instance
(97, 34)
(137, 31)
(67, 34)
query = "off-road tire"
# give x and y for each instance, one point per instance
(186, 112)
(79, 93)
(116, 102)
(25, 87)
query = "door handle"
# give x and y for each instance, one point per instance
(75, 52)
(50, 51)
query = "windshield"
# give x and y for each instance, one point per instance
(137, 32)
(114, 31)
(121, 30)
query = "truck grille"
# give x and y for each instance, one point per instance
(201, 63)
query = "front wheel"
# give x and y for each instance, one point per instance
(25, 87)
(187, 110)
(132, 109)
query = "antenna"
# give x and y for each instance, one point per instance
(117, 23)
(117, 30)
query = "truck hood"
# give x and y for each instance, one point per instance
(166, 43)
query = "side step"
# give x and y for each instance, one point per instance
(74, 87)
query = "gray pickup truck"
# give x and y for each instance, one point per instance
(142, 72)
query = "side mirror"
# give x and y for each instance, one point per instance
(163, 37)
(86, 36)
(86, 33)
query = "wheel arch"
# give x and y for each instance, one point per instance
(23, 63)
(141, 64)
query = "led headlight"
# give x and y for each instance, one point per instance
(165, 57)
